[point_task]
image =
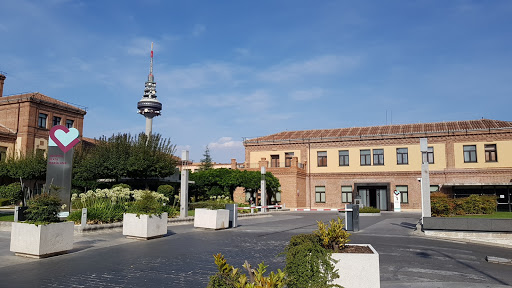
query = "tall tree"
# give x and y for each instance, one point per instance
(206, 162)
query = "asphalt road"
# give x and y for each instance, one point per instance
(184, 257)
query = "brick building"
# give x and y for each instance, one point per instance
(26, 119)
(329, 168)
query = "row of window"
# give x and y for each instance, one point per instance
(43, 119)
(402, 156)
(274, 160)
(346, 193)
(491, 153)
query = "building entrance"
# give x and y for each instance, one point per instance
(374, 196)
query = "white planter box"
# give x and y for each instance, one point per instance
(358, 270)
(43, 240)
(212, 219)
(144, 226)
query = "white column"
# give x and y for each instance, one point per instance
(149, 125)
(425, 181)
(184, 185)
(263, 190)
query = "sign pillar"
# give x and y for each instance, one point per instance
(60, 164)
(396, 198)
(425, 181)
(263, 190)
(184, 185)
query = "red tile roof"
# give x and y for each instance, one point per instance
(38, 97)
(387, 130)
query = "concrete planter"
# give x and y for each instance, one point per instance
(144, 226)
(41, 241)
(212, 219)
(358, 270)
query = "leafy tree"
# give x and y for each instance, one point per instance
(210, 182)
(206, 162)
(151, 157)
(123, 155)
(28, 169)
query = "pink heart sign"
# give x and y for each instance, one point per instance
(64, 138)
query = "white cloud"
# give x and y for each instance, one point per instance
(322, 65)
(226, 143)
(305, 95)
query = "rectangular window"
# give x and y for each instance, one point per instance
(430, 155)
(3, 153)
(322, 158)
(343, 157)
(366, 157)
(41, 122)
(69, 123)
(56, 120)
(346, 194)
(469, 153)
(491, 154)
(288, 159)
(402, 156)
(274, 160)
(434, 188)
(320, 194)
(378, 156)
(404, 193)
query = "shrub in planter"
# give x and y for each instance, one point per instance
(441, 205)
(41, 235)
(312, 259)
(43, 209)
(146, 217)
(308, 263)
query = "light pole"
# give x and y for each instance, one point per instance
(263, 190)
(184, 185)
(425, 180)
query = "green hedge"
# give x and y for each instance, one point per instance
(5, 202)
(12, 192)
(214, 205)
(442, 205)
(369, 210)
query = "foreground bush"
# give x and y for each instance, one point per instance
(229, 276)
(443, 206)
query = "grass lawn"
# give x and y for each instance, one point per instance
(496, 215)
(191, 212)
(7, 217)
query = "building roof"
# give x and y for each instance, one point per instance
(382, 131)
(38, 97)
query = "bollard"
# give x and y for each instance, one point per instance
(348, 217)
(84, 218)
(233, 215)
(18, 213)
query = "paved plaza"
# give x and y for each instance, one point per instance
(184, 257)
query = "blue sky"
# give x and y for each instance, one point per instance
(232, 69)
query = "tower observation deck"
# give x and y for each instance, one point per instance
(149, 106)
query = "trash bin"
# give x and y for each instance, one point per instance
(352, 217)
(233, 214)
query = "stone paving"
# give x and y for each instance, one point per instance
(184, 257)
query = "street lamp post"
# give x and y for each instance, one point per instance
(263, 190)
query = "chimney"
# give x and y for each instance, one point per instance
(2, 78)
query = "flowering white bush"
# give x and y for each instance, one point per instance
(117, 195)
